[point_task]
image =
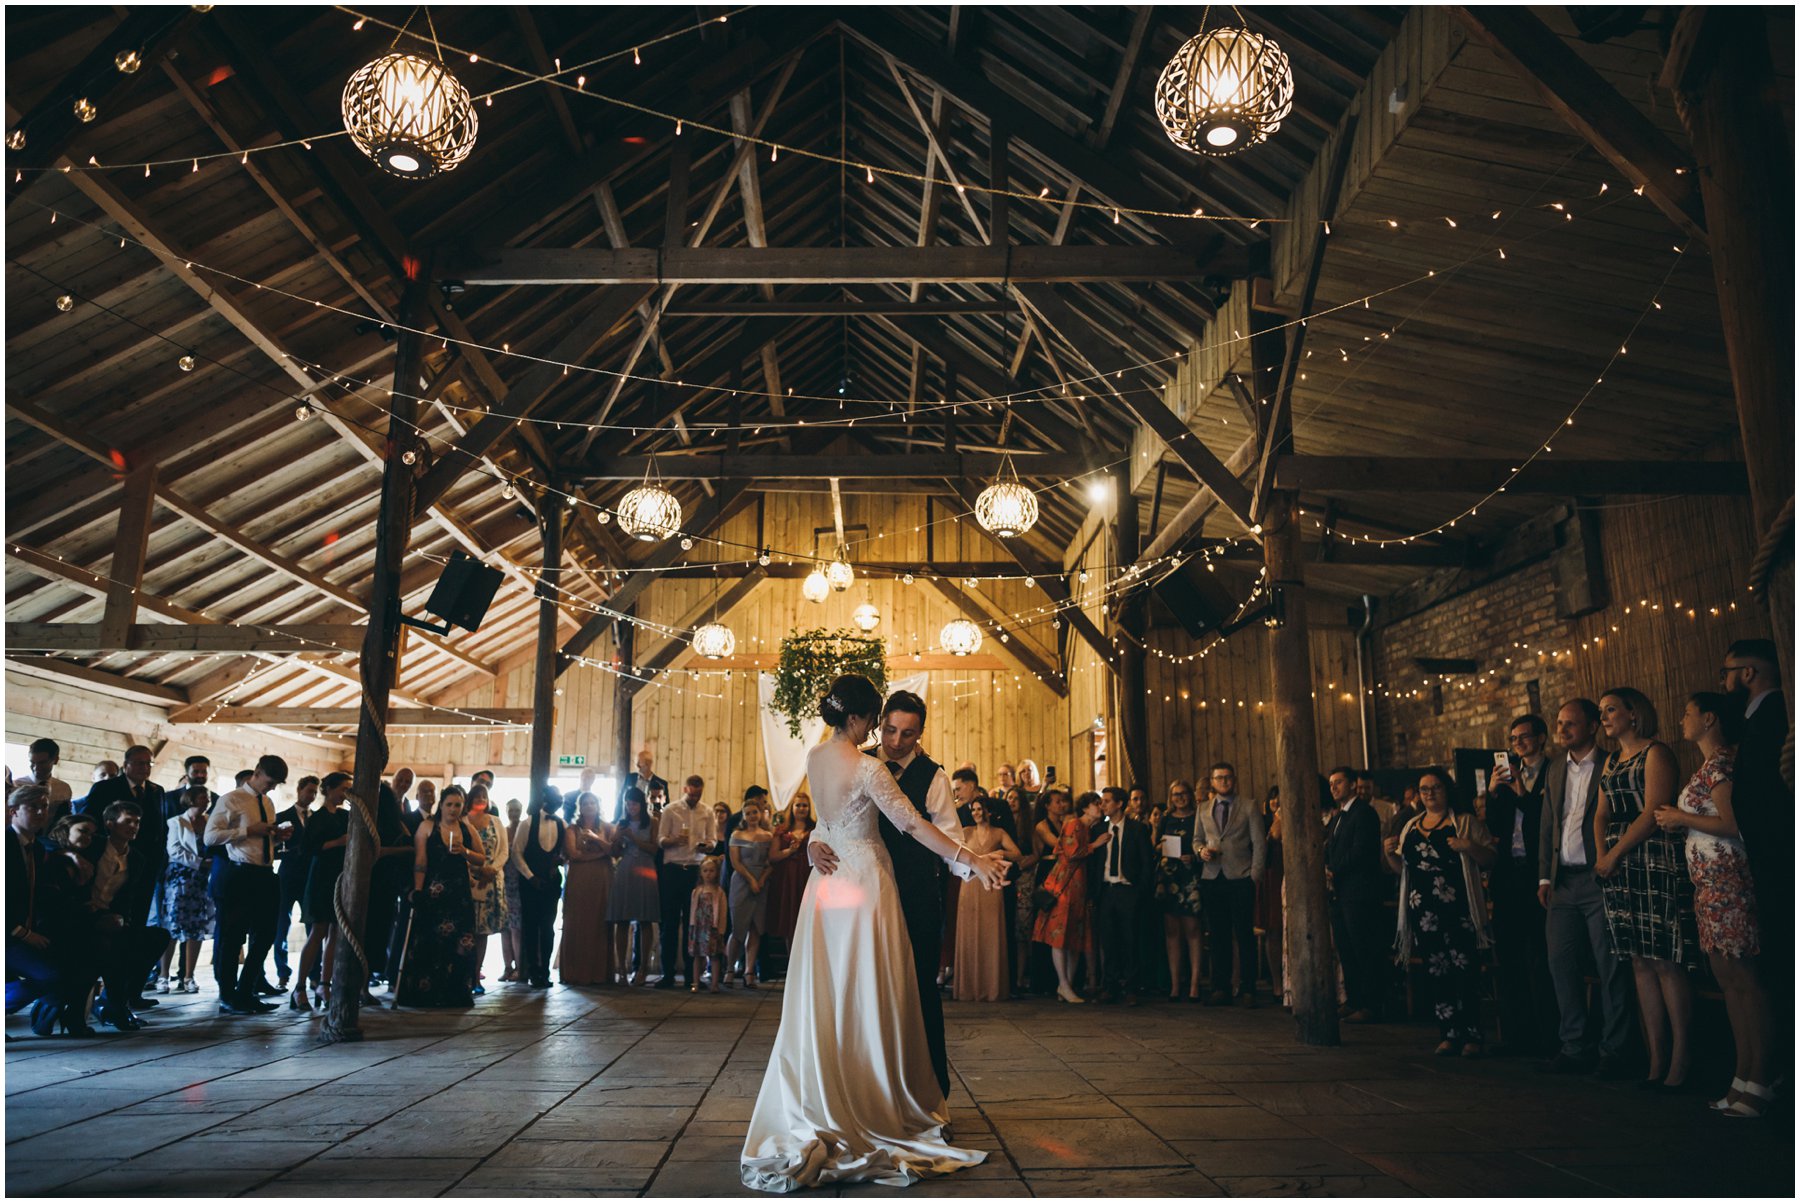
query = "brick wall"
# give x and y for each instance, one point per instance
(1669, 565)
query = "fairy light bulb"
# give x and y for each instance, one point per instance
(65, 303)
(302, 413)
(185, 363)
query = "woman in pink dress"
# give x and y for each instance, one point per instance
(981, 917)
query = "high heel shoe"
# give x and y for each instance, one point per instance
(298, 1001)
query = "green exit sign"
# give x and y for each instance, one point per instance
(571, 762)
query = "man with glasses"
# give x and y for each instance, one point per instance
(1763, 803)
(1232, 853)
(1515, 810)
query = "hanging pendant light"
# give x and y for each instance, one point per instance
(1006, 508)
(1225, 90)
(650, 513)
(839, 573)
(410, 115)
(815, 588)
(714, 641)
(960, 637)
(866, 616)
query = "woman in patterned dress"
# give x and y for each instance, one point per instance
(1178, 888)
(1024, 913)
(187, 907)
(486, 889)
(1439, 856)
(437, 965)
(1064, 926)
(1724, 895)
(1644, 879)
(515, 908)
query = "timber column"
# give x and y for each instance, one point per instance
(1312, 970)
(1129, 607)
(624, 692)
(549, 591)
(1723, 77)
(380, 658)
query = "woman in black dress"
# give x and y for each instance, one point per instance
(1439, 855)
(327, 834)
(437, 966)
(1178, 889)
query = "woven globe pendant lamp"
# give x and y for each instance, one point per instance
(1225, 90)
(410, 115)
(714, 641)
(960, 637)
(1006, 508)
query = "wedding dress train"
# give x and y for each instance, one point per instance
(849, 1094)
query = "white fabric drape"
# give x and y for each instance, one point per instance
(785, 755)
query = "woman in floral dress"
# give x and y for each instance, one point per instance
(1725, 896)
(438, 965)
(1064, 926)
(1439, 855)
(1178, 888)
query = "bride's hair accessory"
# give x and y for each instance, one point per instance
(834, 703)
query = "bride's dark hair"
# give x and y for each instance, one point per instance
(849, 695)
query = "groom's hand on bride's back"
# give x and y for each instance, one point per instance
(819, 853)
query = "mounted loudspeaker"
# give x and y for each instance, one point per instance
(464, 591)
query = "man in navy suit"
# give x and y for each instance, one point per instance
(1124, 872)
(1763, 803)
(1354, 874)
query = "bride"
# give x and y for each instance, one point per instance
(850, 1094)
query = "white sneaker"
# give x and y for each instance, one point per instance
(162, 986)
(188, 986)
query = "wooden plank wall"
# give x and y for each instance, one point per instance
(707, 724)
(1216, 708)
(91, 727)
(1220, 348)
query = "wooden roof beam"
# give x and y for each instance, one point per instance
(1579, 95)
(347, 716)
(852, 465)
(144, 639)
(1548, 474)
(112, 685)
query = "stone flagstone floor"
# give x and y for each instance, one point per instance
(643, 1092)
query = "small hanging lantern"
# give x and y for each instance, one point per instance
(410, 115)
(839, 573)
(650, 513)
(960, 637)
(714, 641)
(1006, 508)
(815, 588)
(866, 616)
(1225, 90)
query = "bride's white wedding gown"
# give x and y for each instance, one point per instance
(849, 1095)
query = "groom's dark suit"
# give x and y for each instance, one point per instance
(919, 876)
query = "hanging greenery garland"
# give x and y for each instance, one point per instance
(812, 660)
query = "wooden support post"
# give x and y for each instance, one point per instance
(1729, 97)
(1312, 972)
(1134, 724)
(380, 652)
(543, 702)
(626, 691)
(130, 548)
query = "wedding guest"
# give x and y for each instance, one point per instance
(290, 876)
(787, 881)
(486, 890)
(245, 893)
(633, 900)
(1232, 856)
(749, 849)
(186, 905)
(685, 832)
(1063, 925)
(390, 878)
(1525, 998)
(509, 939)
(585, 958)
(981, 964)
(44, 755)
(1576, 928)
(1125, 870)
(1355, 876)
(1024, 883)
(437, 963)
(1051, 809)
(1271, 904)
(1726, 909)
(125, 880)
(424, 806)
(1178, 887)
(644, 780)
(1644, 880)
(1439, 856)
(706, 913)
(43, 969)
(327, 835)
(1763, 802)
(538, 858)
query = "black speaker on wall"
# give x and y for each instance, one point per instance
(464, 591)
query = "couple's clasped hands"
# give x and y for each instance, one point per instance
(989, 869)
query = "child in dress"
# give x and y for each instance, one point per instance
(706, 920)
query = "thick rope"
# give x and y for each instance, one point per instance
(1774, 542)
(365, 814)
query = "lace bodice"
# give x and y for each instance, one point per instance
(849, 790)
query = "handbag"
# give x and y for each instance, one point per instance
(1044, 900)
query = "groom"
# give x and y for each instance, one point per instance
(917, 872)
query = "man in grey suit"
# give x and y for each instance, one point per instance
(1571, 894)
(1232, 853)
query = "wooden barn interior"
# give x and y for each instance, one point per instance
(1467, 392)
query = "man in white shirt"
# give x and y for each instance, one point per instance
(1576, 928)
(683, 833)
(245, 891)
(44, 754)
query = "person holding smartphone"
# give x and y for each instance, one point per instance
(1526, 998)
